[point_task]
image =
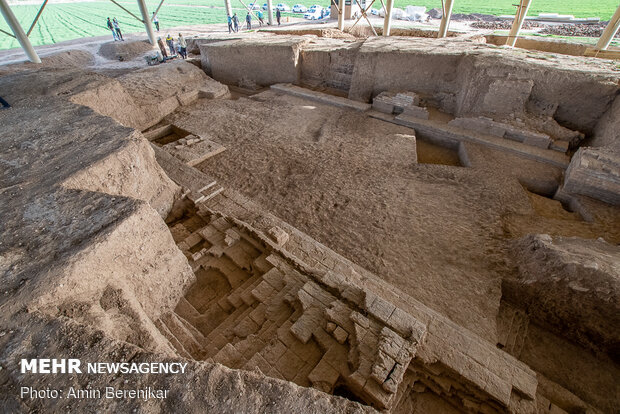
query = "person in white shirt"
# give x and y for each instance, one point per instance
(183, 46)
(156, 21)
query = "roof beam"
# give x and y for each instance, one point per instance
(445, 18)
(147, 22)
(36, 18)
(609, 32)
(19, 33)
(522, 8)
(387, 21)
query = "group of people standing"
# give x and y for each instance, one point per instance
(180, 49)
(116, 29)
(233, 21)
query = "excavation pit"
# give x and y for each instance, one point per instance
(332, 255)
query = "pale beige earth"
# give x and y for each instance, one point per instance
(496, 283)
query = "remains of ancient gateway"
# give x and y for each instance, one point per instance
(119, 245)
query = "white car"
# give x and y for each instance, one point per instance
(299, 8)
(314, 8)
(314, 14)
(254, 6)
(283, 7)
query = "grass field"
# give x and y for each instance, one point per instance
(60, 22)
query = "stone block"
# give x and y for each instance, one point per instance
(416, 112)
(289, 364)
(382, 367)
(481, 124)
(391, 343)
(263, 291)
(231, 237)
(376, 392)
(323, 376)
(595, 172)
(245, 328)
(561, 146)
(381, 309)
(304, 327)
(257, 361)
(278, 235)
(360, 319)
(340, 335)
(407, 325)
(537, 140)
(383, 106)
(258, 314)
(272, 352)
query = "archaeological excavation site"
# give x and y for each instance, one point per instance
(313, 222)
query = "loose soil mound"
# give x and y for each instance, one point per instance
(124, 50)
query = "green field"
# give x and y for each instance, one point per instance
(68, 21)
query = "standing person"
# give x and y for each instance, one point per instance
(260, 18)
(156, 21)
(111, 27)
(117, 28)
(183, 46)
(170, 42)
(235, 22)
(248, 21)
(160, 43)
(278, 16)
(230, 24)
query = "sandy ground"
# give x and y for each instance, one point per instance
(351, 182)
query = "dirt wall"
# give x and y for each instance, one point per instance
(465, 78)
(546, 45)
(249, 61)
(607, 130)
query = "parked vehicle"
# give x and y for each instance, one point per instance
(283, 7)
(299, 8)
(254, 6)
(314, 14)
(265, 6)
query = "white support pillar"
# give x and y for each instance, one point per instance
(269, 13)
(228, 8)
(341, 9)
(445, 18)
(19, 33)
(387, 22)
(609, 32)
(518, 22)
(146, 19)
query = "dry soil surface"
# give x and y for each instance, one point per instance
(352, 183)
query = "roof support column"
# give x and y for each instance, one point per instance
(269, 12)
(445, 18)
(387, 22)
(341, 7)
(228, 8)
(518, 22)
(19, 33)
(609, 32)
(146, 19)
